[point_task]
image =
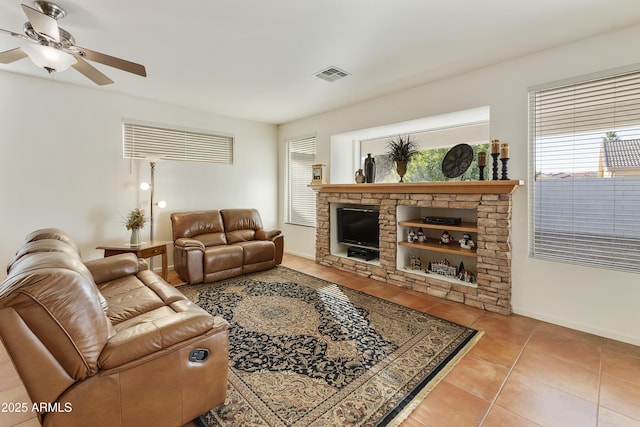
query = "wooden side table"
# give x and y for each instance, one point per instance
(143, 250)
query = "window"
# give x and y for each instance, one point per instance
(434, 145)
(300, 199)
(585, 167)
(174, 144)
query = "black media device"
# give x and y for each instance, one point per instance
(366, 254)
(445, 220)
(359, 227)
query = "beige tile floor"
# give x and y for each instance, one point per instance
(522, 372)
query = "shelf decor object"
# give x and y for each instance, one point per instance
(504, 158)
(135, 222)
(495, 153)
(457, 160)
(495, 166)
(318, 174)
(504, 161)
(370, 169)
(482, 163)
(401, 150)
(434, 244)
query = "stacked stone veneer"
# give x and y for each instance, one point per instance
(493, 292)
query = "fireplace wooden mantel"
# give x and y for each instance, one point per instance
(456, 187)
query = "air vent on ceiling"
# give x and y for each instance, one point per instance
(331, 74)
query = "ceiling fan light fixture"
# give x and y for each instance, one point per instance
(49, 58)
(55, 48)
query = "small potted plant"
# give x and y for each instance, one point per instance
(401, 150)
(135, 222)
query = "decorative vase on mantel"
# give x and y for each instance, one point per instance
(136, 237)
(370, 169)
(401, 168)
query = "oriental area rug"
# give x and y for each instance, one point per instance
(307, 352)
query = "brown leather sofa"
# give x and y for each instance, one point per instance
(108, 342)
(214, 245)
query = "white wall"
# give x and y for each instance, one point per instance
(592, 300)
(61, 165)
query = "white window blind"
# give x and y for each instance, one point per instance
(300, 200)
(585, 165)
(174, 144)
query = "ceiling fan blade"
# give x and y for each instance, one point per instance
(12, 55)
(91, 72)
(11, 33)
(112, 61)
(43, 24)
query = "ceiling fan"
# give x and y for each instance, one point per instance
(54, 49)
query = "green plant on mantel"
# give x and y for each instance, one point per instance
(135, 219)
(402, 149)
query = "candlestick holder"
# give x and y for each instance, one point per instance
(495, 165)
(481, 167)
(504, 161)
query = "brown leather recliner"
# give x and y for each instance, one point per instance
(214, 245)
(108, 342)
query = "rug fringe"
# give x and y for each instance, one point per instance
(411, 406)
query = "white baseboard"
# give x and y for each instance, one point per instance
(578, 327)
(301, 255)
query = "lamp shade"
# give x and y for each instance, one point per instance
(49, 58)
(153, 157)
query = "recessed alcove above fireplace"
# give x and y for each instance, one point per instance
(486, 208)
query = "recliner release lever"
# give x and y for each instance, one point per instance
(198, 355)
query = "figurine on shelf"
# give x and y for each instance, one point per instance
(421, 237)
(443, 268)
(466, 242)
(445, 239)
(411, 237)
(416, 262)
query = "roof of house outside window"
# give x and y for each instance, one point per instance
(622, 154)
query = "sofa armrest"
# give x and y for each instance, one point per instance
(187, 244)
(154, 335)
(114, 267)
(188, 259)
(279, 242)
(267, 235)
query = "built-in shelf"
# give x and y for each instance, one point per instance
(429, 249)
(342, 252)
(465, 227)
(436, 276)
(457, 187)
(434, 246)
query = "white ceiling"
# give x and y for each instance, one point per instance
(255, 59)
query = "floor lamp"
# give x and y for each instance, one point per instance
(153, 159)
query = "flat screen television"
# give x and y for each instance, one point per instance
(357, 226)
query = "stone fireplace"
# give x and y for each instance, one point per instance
(487, 202)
